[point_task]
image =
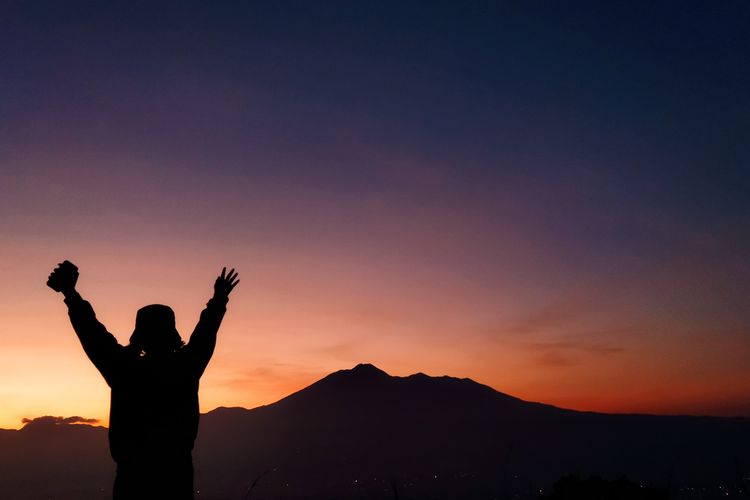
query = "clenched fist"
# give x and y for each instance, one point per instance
(64, 277)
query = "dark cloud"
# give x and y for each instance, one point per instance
(49, 420)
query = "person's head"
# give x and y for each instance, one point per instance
(155, 330)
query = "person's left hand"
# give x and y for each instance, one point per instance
(225, 283)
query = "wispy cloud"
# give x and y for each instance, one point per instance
(567, 353)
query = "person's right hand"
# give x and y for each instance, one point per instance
(64, 277)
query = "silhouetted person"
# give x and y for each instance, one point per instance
(153, 418)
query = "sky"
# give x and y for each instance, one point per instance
(550, 198)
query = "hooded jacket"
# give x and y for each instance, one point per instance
(154, 407)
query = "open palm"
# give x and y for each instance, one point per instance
(225, 283)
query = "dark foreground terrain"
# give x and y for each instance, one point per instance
(364, 434)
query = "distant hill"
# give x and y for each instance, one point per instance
(360, 433)
(54, 459)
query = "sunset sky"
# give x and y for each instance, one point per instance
(550, 198)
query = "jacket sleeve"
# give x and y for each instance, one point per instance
(203, 339)
(99, 345)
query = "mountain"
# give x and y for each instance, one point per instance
(362, 433)
(353, 433)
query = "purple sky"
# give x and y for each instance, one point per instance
(551, 199)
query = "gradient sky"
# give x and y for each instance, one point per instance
(548, 197)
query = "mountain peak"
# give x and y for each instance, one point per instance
(367, 369)
(362, 375)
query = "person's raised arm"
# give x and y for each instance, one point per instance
(203, 340)
(100, 346)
